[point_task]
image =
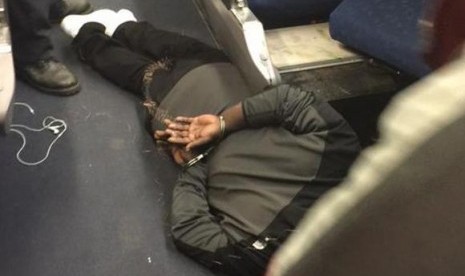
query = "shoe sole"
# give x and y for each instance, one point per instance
(69, 91)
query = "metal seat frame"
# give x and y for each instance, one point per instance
(242, 36)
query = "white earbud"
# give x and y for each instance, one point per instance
(54, 129)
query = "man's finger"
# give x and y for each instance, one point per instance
(167, 122)
(178, 140)
(197, 143)
(178, 133)
(177, 126)
(186, 120)
(161, 134)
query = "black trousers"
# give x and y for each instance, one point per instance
(29, 22)
(124, 57)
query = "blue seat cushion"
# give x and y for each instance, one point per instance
(384, 29)
(281, 13)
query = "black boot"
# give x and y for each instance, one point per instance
(62, 8)
(50, 76)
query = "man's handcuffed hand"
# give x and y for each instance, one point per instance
(191, 131)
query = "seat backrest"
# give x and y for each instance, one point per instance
(279, 13)
(385, 30)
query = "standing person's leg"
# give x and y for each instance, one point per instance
(34, 63)
(29, 23)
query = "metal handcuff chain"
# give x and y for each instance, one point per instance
(57, 126)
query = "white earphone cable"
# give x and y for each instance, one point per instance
(57, 126)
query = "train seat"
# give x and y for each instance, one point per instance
(386, 30)
(278, 13)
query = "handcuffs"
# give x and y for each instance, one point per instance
(201, 156)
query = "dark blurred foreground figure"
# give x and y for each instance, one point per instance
(399, 211)
(238, 197)
(32, 48)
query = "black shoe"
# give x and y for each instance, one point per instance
(50, 76)
(63, 8)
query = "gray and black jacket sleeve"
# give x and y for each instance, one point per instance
(192, 224)
(300, 112)
(196, 230)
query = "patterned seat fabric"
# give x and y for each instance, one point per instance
(385, 29)
(279, 13)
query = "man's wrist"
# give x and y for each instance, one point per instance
(233, 119)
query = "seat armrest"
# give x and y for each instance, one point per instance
(242, 37)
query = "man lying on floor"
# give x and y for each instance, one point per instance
(279, 150)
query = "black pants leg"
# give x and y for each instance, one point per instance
(124, 57)
(183, 52)
(110, 58)
(29, 24)
(145, 39)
